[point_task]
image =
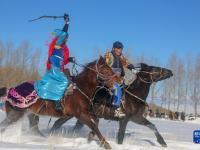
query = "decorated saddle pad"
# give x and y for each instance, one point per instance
(23, 95)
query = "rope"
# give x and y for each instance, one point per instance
(143, 101)
(96, 71)
(150, 73)
(83, 93)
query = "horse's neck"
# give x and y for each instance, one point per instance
(140, 90)
(85, 84)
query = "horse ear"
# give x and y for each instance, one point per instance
(101, 60)
(101, 57)
(143, 65)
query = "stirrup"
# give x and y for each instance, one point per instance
(58, 105)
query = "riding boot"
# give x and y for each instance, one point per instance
(119, 113)
(58, 105)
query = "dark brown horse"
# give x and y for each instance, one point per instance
(134, 103)
(77, 105)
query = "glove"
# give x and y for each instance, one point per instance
(130, 67)
(71, 59)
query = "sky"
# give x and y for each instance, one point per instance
(154, 28)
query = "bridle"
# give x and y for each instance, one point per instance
(147, 82)
(151, 76)
(101, 78)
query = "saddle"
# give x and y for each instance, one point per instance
(103, 97)
(103, 105)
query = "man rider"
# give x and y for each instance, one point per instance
(117, 62)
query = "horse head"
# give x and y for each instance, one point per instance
(150, 74)
(105, 74)
(101, 73)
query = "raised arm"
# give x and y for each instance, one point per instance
(66, 26)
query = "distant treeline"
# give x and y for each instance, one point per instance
(18, 64)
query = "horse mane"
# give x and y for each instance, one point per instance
(91, 64)
(141, 65)
(134, 85)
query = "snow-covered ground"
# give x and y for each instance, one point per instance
(178, 136)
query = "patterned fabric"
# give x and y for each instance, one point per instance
(22, 96)
(110, 59)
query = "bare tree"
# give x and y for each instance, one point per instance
(187, 82)
(172, 64)
(180, 82)
(155, 86)
(18, 64)
(195, 95)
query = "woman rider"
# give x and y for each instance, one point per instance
(53, 84)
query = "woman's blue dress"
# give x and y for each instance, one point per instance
(54, 83)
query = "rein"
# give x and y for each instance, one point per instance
(143, 101)
(97, 87)
(106, 79)
(147, 82)
(83, 93)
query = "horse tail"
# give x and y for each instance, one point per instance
(3, 91)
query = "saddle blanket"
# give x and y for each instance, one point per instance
(23, 95)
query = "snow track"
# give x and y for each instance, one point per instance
(178, 136)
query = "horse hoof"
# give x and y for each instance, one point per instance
(164, 145)
(90, 137)
(106, 145)
(2, 130)
(37, 133)
(119, 141)
(41, 134)
(52, 132)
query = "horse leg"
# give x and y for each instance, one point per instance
(78, 125)
(91, 134)
(12, 117)
(58, 123)
(121, 132)
(33, 124)
(90, 122)
(143, 121)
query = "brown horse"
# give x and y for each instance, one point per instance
(134, 103)
(77, 105)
